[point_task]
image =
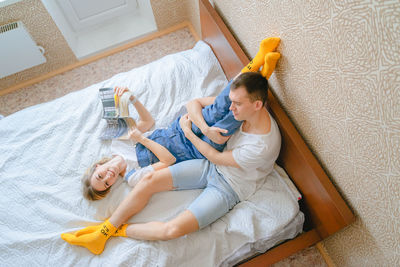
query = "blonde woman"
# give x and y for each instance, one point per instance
(123, 163)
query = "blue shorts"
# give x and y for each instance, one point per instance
(217, 198)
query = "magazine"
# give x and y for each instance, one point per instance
(117, 126)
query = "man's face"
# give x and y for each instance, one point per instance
(241, 106)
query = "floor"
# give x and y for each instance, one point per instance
(105, 68)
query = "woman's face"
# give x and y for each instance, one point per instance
(106, 175)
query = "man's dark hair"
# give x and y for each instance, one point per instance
(256, 85)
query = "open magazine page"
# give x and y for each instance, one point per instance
(110, 110)
(117, 127)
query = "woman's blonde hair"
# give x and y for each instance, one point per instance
(88, 191)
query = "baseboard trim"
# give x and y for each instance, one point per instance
(325, 255)
(101, 55)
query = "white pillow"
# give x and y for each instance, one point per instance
(282, 173)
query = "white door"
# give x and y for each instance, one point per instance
(92, 26)
(83, 14)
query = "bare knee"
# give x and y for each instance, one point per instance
(147, 182)
(156, 181)
(183, 224)
(145, 186)
(172, 231)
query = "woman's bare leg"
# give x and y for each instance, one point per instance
(94, 238)
(183, 224)
(140, 195)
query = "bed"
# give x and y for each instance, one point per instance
(44, 150)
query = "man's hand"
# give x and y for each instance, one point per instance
(185, 123)
(214, 134)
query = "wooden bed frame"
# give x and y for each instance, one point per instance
(325, 210)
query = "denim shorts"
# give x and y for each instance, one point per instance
(173, 138)
(217, 198)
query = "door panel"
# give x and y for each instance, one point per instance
(89, 8)
(83, 14)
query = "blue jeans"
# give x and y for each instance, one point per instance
(173, 138)
(217, 198)
(219, 115)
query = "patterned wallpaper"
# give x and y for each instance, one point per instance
(339, 81)
(168, 13)
(45, 32)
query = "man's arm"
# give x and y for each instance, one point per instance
(218, 158)
(194, 108)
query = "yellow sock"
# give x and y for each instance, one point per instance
(270, 62)
(93, 238)
(266, 45)
(121, 231)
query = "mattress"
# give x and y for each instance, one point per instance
(45, 149)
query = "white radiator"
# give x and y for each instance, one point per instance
(18, 51)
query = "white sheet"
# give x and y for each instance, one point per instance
(44, 150)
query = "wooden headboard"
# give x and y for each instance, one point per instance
(326, 212)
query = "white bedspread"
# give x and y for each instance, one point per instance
(45, 149)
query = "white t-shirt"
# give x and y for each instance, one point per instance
(127, 149)
(256, 155)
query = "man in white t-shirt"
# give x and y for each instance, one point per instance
(227, 177)
(252, 150)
